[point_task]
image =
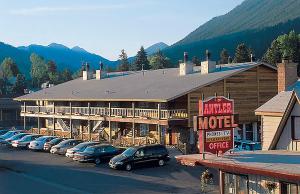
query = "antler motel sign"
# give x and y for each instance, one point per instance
(216, 123)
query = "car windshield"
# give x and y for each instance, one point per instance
(64, 142)
(56, 140)
(8, 134)
(26, 138)
(129, 152)
(89, 150)
(83, 145)
(41, 138)
(18, 136)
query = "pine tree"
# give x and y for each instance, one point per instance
(9, 68)
(159, 61)
(39, 72)
(123, 61)
(224, 56)
(20, 85)
(141, 61)
(242, 54)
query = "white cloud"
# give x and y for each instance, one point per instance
(47, 9)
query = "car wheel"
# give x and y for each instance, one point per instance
(161, 162)
(97, 161)
(128, 167)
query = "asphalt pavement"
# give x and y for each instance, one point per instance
(29, 172)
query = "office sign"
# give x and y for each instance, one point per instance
(216, 122)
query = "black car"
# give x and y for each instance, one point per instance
(97, 153)
(140, 156)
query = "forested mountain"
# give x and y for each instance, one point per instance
(156, 47)
(251, 14)
(258, 40)
(255, 22)
(66, 57)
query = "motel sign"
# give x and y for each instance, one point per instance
(216, 123)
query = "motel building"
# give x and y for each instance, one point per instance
(275, 168)
(154, 106)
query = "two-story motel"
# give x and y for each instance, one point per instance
(154, 106)
(276, 168)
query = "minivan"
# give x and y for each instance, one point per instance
(140, 156)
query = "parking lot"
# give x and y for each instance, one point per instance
(24, 171)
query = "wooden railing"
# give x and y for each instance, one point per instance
(105, 111)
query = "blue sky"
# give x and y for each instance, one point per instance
(105, 27)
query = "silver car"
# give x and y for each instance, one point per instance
(24, 141)
(62, 147)
(79, 148)
(38, 144)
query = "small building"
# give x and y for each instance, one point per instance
(154, 106)
(277, 166)
(10, 113)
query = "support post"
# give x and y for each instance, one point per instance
(255, 132)
(39, 127)
(244, 131)
(133, 122)
(53, 132)
(159, 133)
(24, 124)
(71, 129)
(89, 121)
(109, 122)
(1, 115)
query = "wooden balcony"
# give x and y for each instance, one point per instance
(107, 112)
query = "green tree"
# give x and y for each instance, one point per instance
(66, 75)
(20, 85)
(196, 61)
(242, 54)
(39, 72)
(287, 45)
(9, 68)
(53, 75)
(224, 56)
(123, 61)
(51, 66)
(159, 61)
(141, 61)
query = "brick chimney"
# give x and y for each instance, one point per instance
(186, 67)
(287, 74)
(208, 66)
(100, 73)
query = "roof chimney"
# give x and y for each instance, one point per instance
(287, 74)
(86, 74)
(186, 67)
(208, 66)
(252, 56)
(100, 73)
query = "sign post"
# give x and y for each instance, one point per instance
(216, 123)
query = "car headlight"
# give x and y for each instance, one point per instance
(119, 163)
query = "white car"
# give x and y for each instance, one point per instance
(39, 143)
(24, 141)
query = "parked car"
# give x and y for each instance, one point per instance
(53, 142)
(7, 135)
(62, 147)
(246, 145)
(15, 137)
(79, 148)
(3, 131)
(140, 156)
(38, 144)
(24, 141)
(97, 153)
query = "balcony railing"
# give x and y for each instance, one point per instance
(105, 111)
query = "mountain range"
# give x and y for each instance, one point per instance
(254, 22)
(65, 57)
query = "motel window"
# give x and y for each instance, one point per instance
(235, 184)
(295, 127)
(288, 188)
(144, 130)
(249, 132)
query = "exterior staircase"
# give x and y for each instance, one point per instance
(63, 125)
(97, 125)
